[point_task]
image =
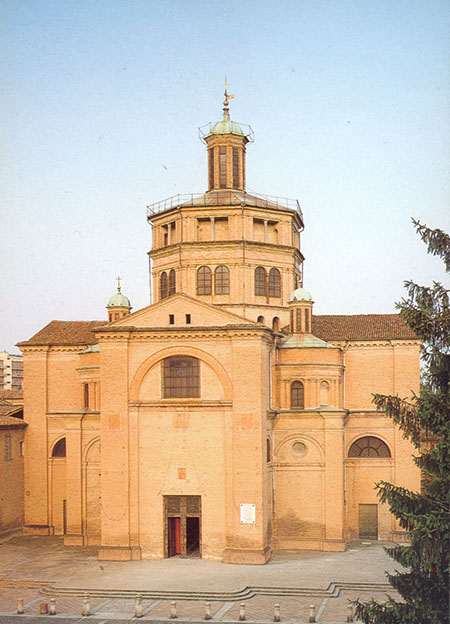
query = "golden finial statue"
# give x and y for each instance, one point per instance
(118, 283)
(227, 96)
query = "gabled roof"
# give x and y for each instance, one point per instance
(65, 333)
(156, 315)
(361, 327)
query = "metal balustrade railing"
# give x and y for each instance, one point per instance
(224, 198)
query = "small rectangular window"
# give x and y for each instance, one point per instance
(235, 168)
(307, 328)
(21, 449)
(8, 448)
(86, 396)
(299, 319)
(223, 167)
(211, 168)
(171, 319)
(188, 319)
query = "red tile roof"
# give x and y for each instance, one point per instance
(11, 395)
(11, 421)
(65, 333)
(327, 326)
(331, 327)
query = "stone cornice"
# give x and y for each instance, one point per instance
(384, 342)
(306, 364)
(220, 244)
(74, 413)
(38, 348)
(177, 403)
(140, 334)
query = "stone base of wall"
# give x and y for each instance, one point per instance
(119, 553)
(320, 544)
(74, 539)
(258, 556)
(37, 529)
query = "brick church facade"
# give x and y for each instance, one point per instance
(225, 419)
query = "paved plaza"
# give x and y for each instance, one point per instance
(38, 569)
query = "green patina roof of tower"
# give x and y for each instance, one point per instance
(227, 126)
(300, 294)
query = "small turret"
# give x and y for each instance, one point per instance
(300, 305)
(118, 305)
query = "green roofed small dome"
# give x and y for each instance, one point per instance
(119, 300)
(226, 126)
(300, 294)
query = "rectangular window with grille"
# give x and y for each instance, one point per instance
(223, 167)
(235, 168)
(181, 377)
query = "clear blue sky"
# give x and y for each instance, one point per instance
(349, 101)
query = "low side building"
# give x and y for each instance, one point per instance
(12, 433)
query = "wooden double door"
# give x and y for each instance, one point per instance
(182, 526)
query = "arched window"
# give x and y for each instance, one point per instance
(260, 319)
(297, 395)
(163, 286)
(324, 392)
(181, 377)
(204, 281)
(268, 451)
(369, 446)
(260, 281)
(274, 283)
(275, 323)
(222, 280)
(172, 282)
(59, 450)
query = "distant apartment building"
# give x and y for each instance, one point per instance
(11, 371)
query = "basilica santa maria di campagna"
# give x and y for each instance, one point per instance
(225, 419)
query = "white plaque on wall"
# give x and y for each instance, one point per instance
(247, 513)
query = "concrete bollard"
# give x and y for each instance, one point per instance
(276, 613)
(349, 613)
(43, 608)
(241, 612)
(52, 606)
(173, 610)
(138, 606)
(312, 613)
(19, 606)
(86, 606)
(207, 611)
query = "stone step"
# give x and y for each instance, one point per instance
(332, 591)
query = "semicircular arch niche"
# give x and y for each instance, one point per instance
(215, 384)
(298, 448)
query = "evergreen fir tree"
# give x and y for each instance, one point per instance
(425, 420)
